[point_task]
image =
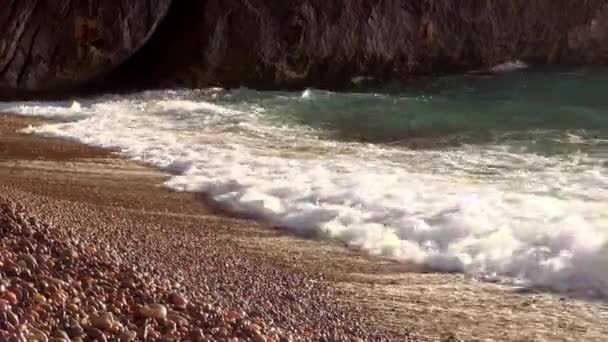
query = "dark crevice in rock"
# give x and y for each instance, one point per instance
(156, 64)
(28, 56)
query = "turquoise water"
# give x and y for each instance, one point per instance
(550, 112)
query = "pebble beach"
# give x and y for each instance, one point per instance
(58, 286)
(68, 274)
(93, 247)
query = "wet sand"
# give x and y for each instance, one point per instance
(296, 283)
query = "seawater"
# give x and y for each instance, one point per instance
(497, 176)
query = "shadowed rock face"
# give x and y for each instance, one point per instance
(326, 43)
(47, 45)
(289, 43)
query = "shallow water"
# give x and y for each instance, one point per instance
(502, 177)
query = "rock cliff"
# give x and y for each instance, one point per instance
(49, 45)
(289, 43)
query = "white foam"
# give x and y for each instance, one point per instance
(509, 66)
(541, 220)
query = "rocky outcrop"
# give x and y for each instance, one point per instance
(588, 43)
(296, 43)
(49, 45)
(290, 43)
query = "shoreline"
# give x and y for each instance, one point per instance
(100, 195)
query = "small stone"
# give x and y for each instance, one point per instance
(254, 328)
(259, 338)
(103, 321)
(128, 336)
(26, 230)
(30, 261)
(143, 332)
(221, 333)
(233, 315)
(179, 301)
(96, 334)
(12, 271)
(62, 334)
(116, 327)
(74, 331)
(10, 297)
(12, 318)
(156, 311)
(37, 335)
(40, 299)
(177, 318)
(286, 339)
(170, 326)
(197, 333)
(69, 253)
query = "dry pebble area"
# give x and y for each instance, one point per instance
(56, 286)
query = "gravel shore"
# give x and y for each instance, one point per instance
(56, 284)
(102, 254)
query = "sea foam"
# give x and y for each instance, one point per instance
(540, 220)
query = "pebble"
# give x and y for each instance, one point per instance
(179, 301)
(62, 334)
(254, 328)
(30, 261)
(103, 321)
(12, 318)
(155, 311)
(96, 334)
(10, 297)
(259, 338)
(40, 299)
(56, 284)
(233, 315)
(177, 318)
(37, 335)
(75, 330)
(128, 336)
